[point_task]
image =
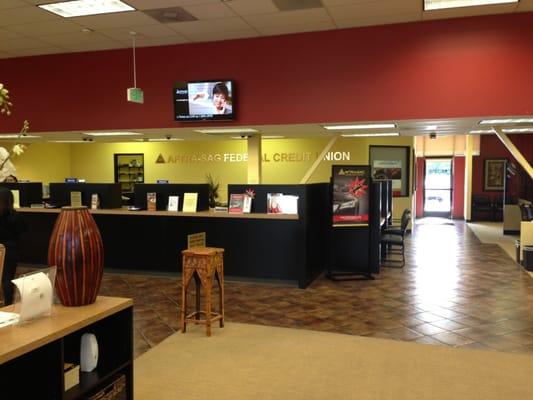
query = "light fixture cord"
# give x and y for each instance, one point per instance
(134, 64)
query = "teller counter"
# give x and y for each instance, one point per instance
(257, 246)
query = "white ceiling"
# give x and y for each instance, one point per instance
(443, 127)
(27, 30)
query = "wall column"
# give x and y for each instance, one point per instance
(469, 150)
(254, 159)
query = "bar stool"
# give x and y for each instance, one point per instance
(203, 264)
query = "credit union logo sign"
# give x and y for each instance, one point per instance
(200, 158)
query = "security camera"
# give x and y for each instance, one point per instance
(246, 136)
(86, 139)
(168, 137)
(433, 135)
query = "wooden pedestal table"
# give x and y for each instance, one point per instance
(203, 264)
(32, 355)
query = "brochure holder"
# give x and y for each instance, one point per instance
(35, 292)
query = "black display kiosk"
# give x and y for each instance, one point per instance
(354, 231)
(30, 192)
(109, 194)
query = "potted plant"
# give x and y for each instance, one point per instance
(213, 191)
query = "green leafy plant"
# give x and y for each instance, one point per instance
(213, 190)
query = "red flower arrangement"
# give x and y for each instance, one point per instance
(250, 192)
(358, 188)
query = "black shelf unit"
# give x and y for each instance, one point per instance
(129, 170)
(39, 373)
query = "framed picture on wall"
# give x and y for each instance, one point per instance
(494, 174)
(392, 162)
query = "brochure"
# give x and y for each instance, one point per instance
(190, 201)
(95, 201)
(278, 203)
(173, 203)
(236, 203)
(75, 199)
(274, 203)
(151, 201)
(16, 198)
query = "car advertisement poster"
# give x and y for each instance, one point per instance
(389, 169)
(351, 195)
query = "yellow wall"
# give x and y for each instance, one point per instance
(42, 162)
(48, 162)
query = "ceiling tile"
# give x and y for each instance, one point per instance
(212, 25)
(46, 28)
(210, 11)
(525, 5)
(377, 20)
(107, 45)
(154, 4)
(7, 34)
(283, 30)
(74, 38)
(469, 11)
(159, 41)
(212, 37)
(329, 3)
(151, 31)
(376, 9)
(283, 19)
(21, 43)
(25, 15)
(252, 7)
(37, 52)
(115, 20)
(5, 4)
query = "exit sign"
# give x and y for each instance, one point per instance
(136, 95)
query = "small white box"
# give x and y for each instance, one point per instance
(72, 375)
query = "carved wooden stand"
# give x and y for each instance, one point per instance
(203, 264)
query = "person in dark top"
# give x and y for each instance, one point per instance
(11, 226)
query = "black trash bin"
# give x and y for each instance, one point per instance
(517, 248)
(528, 258)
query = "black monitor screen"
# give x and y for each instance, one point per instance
(205, 100)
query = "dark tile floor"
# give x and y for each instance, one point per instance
(454, 291)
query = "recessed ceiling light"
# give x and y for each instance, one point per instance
(481, 131)
(17, 136)
(371, 134)
(430, 5)
(517, 130)
(226, 130)
(359, 126)
(79, 8)
(506, 121)
(112, 133)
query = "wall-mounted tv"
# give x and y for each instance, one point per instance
(204, 100)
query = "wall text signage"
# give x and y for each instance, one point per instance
(200, 158)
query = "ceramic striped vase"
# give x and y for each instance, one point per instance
(76, 249)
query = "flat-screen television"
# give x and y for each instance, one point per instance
(204, 100)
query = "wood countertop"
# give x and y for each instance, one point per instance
(199, 214)
(16, 340)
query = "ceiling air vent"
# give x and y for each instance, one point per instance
(291, 5)
(170, 15)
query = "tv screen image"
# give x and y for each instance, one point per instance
(206, 100)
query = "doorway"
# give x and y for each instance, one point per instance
(438, 187)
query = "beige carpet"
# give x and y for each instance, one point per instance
(492, 232)
(244, 361)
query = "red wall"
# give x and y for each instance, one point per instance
(458, 185)
(492, 147)
(450, 68)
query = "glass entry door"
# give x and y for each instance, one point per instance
(438, 187)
